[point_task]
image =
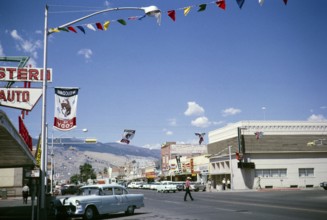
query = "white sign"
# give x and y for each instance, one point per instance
(24, 74)
(21, 98)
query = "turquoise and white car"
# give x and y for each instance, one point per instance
(94, 200)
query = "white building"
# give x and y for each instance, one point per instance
(269, 154)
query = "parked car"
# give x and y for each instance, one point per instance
(197, 186)
(324, 185)
(180, 186)
(167, 186)
(135, 185)
(69, 190)
(97, 200)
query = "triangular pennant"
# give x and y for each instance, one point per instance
(54, 30)
(285, 2)
(63, 29)
(122, 21)
(221, 4)
(81, 29)
(106, 25)
(240, 3)
(140, 18)
(90, 26)
(99, 26)
(202, 7)
(261, 2)
(172, 14)
(72, 29)
(187, 10)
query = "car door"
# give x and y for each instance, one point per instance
(109, 200)
(121, 197)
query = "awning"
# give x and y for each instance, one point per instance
(13, 150)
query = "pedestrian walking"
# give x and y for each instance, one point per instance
(224, 183)
(26, 190)
(209, 184)
(228, 183)
(187, 188)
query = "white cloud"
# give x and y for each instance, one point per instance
(201, 122)
(231, 111)
(87, 53)
(314, 117)
(172, 121)
(193, 109)
(107, 3)
(323, 107)
(1, 50)
(167, 132)
(28, 46)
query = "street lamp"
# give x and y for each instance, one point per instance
(150, 11)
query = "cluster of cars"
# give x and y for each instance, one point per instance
(167, 186)
(95, 200)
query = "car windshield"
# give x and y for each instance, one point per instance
(89, 191)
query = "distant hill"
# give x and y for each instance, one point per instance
(111, 147)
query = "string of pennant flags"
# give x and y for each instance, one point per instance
(171, 13)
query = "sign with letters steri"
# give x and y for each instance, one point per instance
(21, 98)
(65, 108)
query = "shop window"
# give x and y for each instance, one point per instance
(306, 172)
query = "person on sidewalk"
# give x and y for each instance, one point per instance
(187, 188)
(224, 183)
(209, 185)
(26, 190)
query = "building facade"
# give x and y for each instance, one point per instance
(269, 154)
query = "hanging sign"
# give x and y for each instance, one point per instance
(20, 98)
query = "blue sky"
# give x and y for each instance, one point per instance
(197, 74)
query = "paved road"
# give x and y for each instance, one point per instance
(249, 205)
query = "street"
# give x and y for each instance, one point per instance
(254, 205)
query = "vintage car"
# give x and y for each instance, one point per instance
(197, 186)
(324, 185)
(94, 200)
(166, 186)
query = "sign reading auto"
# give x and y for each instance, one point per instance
(22, 98)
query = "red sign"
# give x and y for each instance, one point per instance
(24, 133)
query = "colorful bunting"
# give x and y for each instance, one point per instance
(81, 29)
(172, 14)
(106, 25)
(221, 4)
(187, 10)
(99, 26)
(240, 3)
(202, 7)
(122, 21)
(63, 29)
(90, 26)
(72, 29)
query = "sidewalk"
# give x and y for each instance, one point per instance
(13, 208)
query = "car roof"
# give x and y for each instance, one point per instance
(102, 186)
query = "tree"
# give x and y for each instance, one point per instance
(86, 172)
(75, 178)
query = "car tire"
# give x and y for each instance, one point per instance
(90, 213)
(130, 210)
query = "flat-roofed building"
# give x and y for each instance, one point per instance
(269, 154)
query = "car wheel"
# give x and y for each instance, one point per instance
(130, 210)
(89, 214)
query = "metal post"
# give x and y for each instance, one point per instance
(41, 198)
(231, 168)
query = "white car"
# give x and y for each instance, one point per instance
(97, 200)
(167, 186)
(135, 185)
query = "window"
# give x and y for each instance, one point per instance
(270, 173)
(306, 172)
(119, 191)
(107, 191)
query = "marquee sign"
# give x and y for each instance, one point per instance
(24, 74)
(21, 98)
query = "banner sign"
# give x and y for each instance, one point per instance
(24, 133)
(65, 108)
(21, 98)
(24, 74)
(127, 136)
